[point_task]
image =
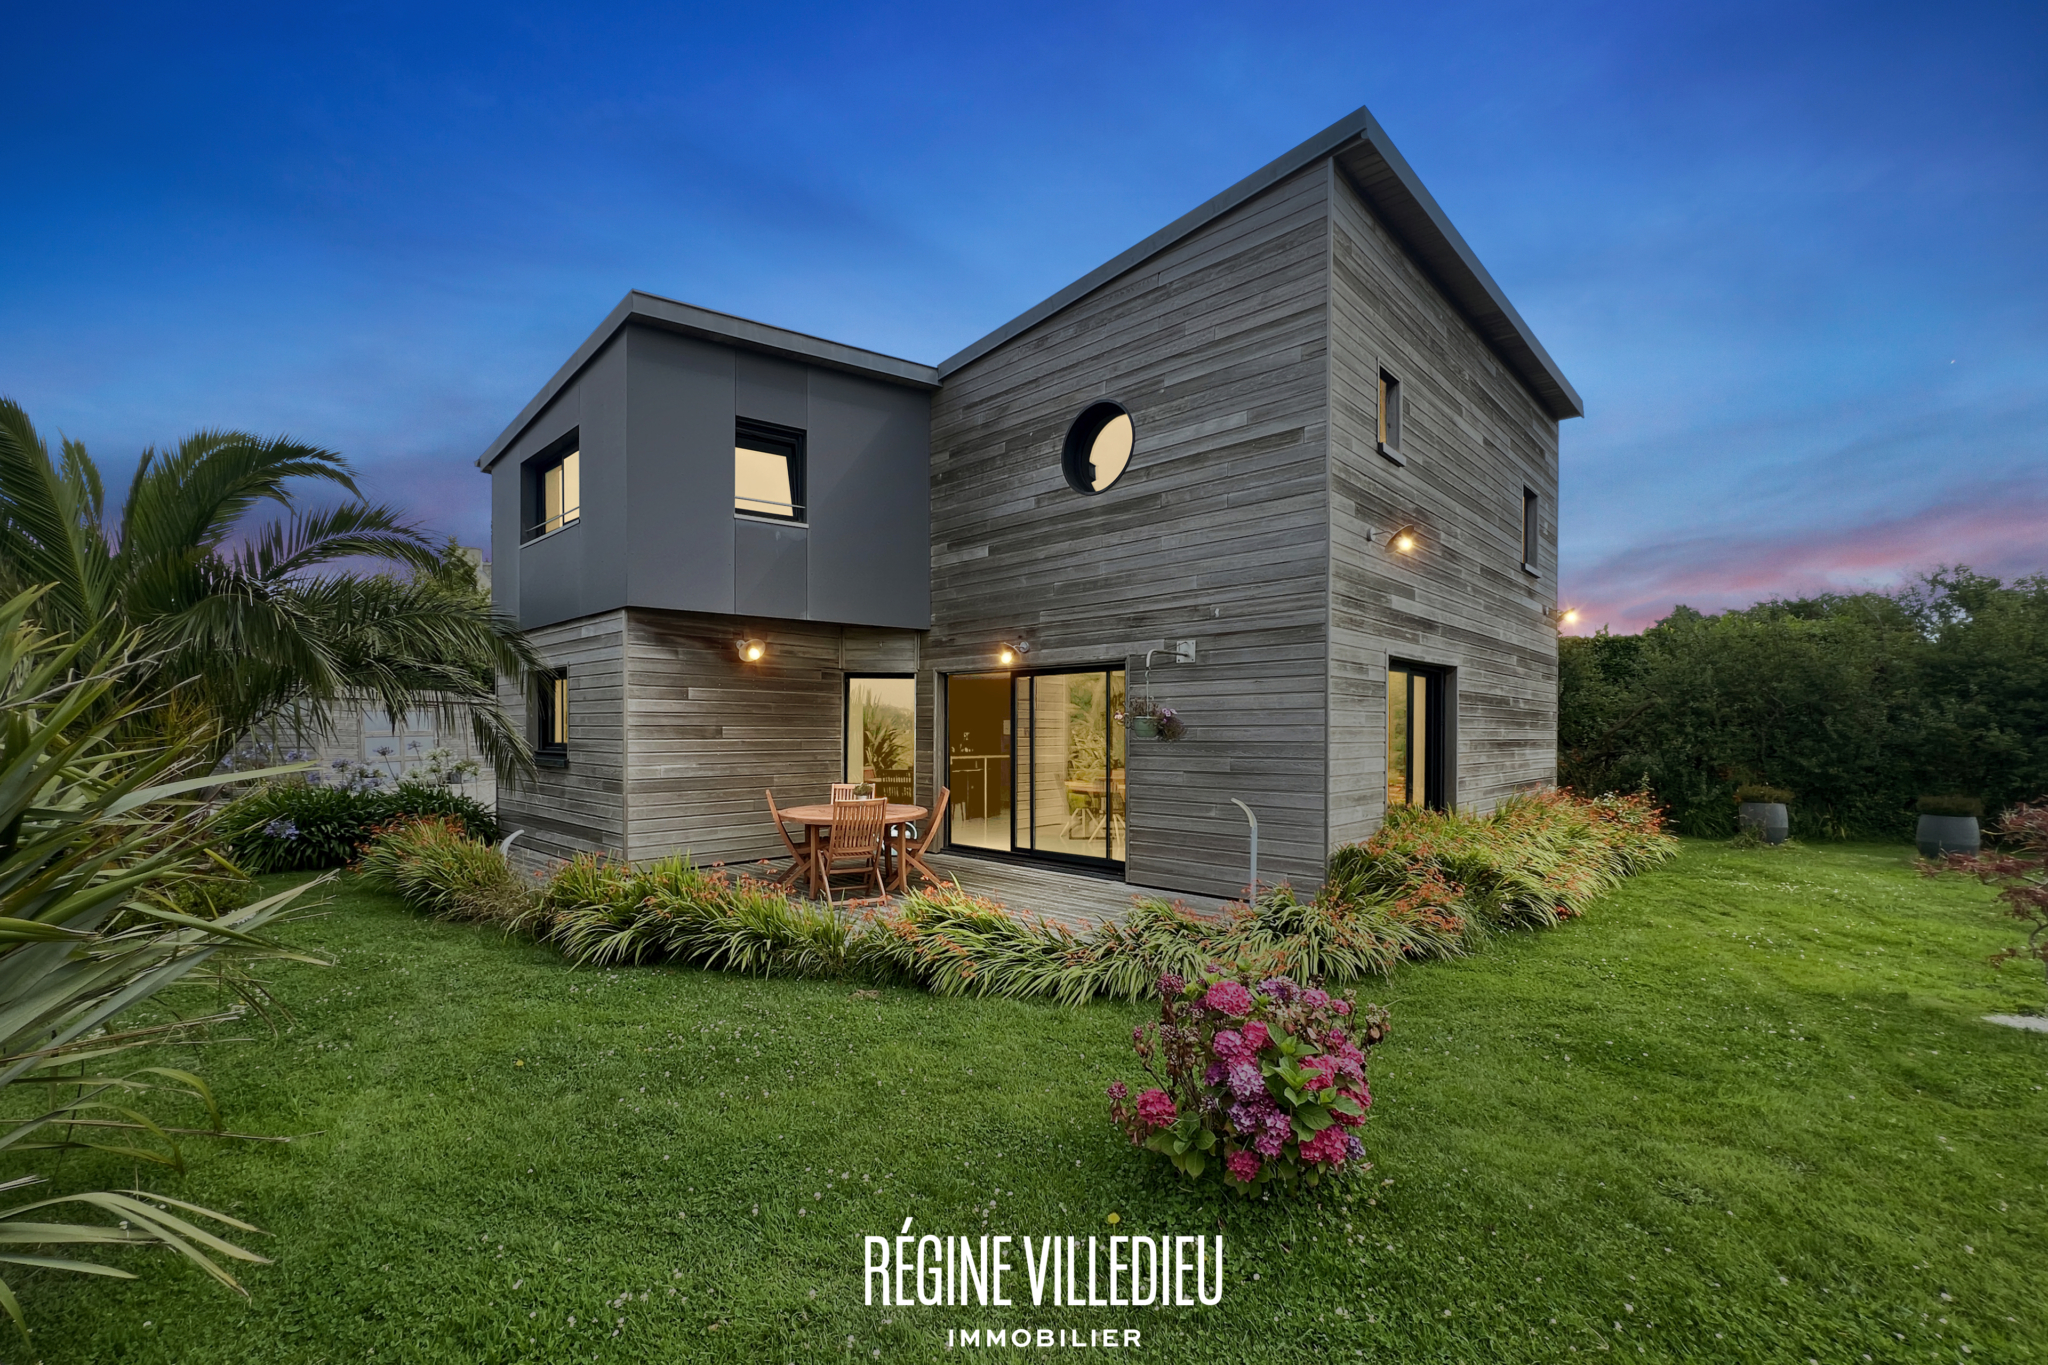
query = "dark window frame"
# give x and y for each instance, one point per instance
(1440, 730)
(1532, 531)
(1388, 421)
(1077, 461)
(533, 480)
(551, 718)
(767, 436)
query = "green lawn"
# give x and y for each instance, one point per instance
(1745, 1110)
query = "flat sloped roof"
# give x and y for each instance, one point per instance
(1384, 179)
(654, 311)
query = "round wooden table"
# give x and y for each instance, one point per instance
(819, 817)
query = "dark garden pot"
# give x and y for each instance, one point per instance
(1145, 727)
(1767, 818)
(1941, 835)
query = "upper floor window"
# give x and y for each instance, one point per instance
(1531, 542)
(1390, 415)
(768, 472)
(557, 490)
(1098, 448)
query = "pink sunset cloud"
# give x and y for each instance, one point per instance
(1630, 591)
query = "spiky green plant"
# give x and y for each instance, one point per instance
(96, 844)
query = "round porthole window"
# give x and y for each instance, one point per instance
(1098, 447)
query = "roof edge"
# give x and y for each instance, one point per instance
(1446, 253)
(724, 328)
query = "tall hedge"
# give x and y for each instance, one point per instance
(1858, 703)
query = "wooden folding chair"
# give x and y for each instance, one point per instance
(799, 849)
(913, 854)
(855, 844)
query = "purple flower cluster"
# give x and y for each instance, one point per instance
(1262, 1082)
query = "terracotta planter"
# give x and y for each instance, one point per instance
(1940, 835)
(1767, 818)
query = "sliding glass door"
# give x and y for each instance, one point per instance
(1037, 763)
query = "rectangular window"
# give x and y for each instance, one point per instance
(1416, 734)
(881, 735)
(558, 492)
(768, 472)
(1531, 544)
(551, 716)
(1390, 415)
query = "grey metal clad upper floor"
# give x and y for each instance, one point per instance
(1362, 149)
(670, 315)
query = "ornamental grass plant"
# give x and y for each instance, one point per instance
(433, 863)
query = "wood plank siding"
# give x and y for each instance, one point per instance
(1216, 532)
(673, 740)
(580, 808)
(1473, 437)
(708, 734)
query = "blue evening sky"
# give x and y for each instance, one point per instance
(1794, 257)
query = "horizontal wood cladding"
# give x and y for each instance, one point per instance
(1216, 532)
(1473, 437)
(709, 734)
(579, 808)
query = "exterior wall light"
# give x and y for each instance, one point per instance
(751, 650)
(1571, 616)
(1403, 539)
(1012, 653)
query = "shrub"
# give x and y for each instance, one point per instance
(1758, 793)
(1535, 860)
(434, 866)
(1950, 805)
(295, 825)
(1261, 1082)
(2020, 872)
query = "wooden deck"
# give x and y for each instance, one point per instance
(1074, 899)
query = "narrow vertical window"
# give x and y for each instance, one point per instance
(551, 714)
(1531, 544)
(1390, 416)
(768, 472)
(1417, 736)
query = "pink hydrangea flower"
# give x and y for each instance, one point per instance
(1155, 1108)
(1255, 1037)
(1230, 997)
(1314, 998)
(1228, 1047)
(1118, 1090)
(1343, 1007)
(1329, 1146)
(1244, 1166)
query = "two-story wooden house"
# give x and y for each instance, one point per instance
(1296, 449)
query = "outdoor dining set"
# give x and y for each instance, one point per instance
(874, 838)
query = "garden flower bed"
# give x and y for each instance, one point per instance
(1426, 886)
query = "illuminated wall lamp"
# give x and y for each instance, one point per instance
(751, 650)
(1012, 653)
(1403, 539)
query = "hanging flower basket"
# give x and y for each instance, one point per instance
(1149, 720)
